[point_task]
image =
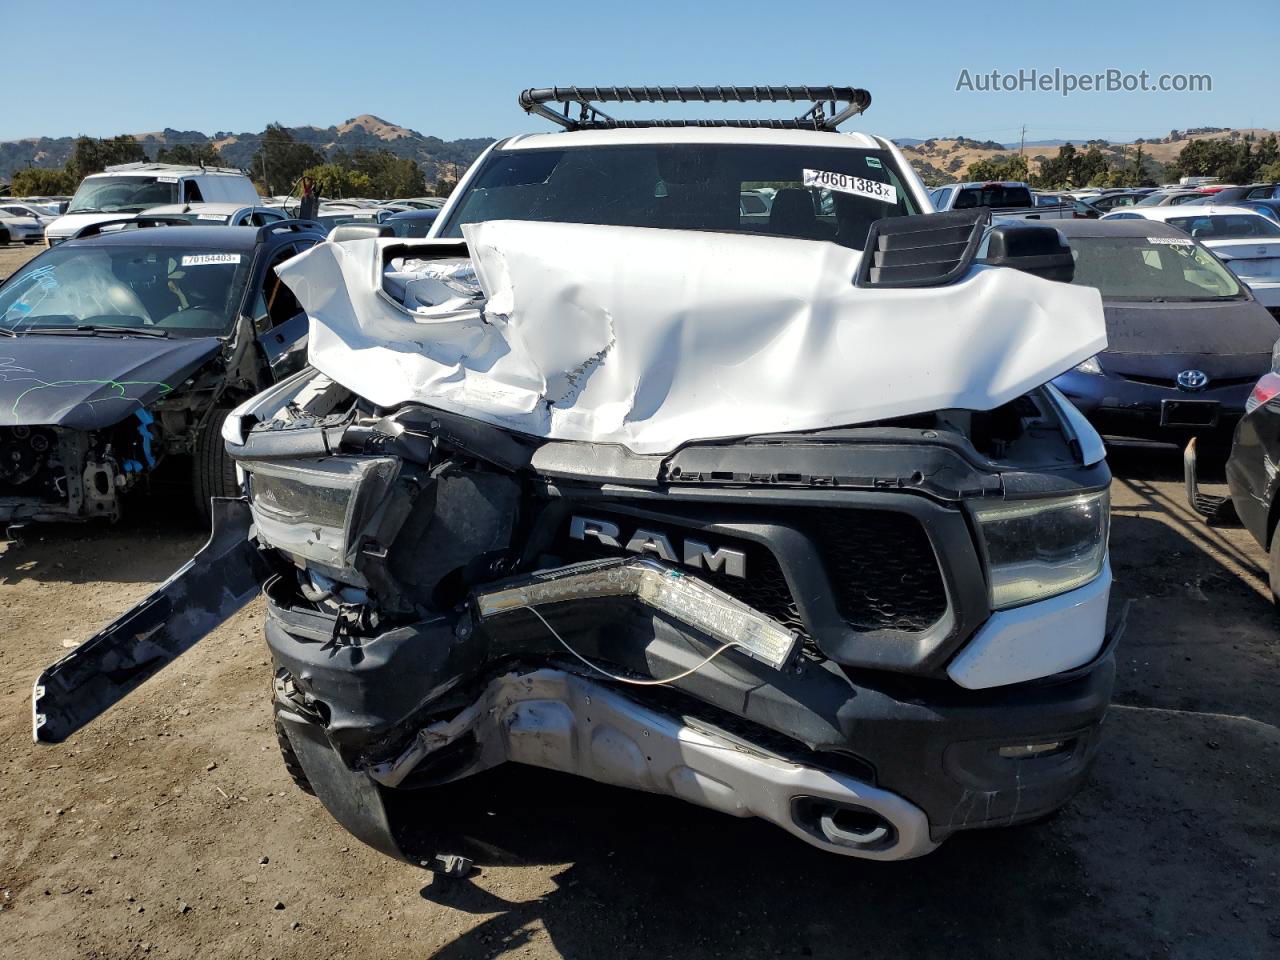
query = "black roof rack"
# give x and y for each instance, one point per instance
(830, 106)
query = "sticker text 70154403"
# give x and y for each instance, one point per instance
(857, 186)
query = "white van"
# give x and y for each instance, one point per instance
(125, 190)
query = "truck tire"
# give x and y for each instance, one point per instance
(4, 237)
(213, 472)
(291, 764)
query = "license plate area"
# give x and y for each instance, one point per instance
(1189, 413)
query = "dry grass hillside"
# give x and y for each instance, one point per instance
(942, 160)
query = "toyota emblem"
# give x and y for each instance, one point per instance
(1192, 380)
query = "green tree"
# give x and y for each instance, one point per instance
(193, 153)
(335, 181)
(39, 182)
(998, 168)
(92, 155)
(1270, 173)
(389, 175)
(280, 159)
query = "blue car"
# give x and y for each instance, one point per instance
(1186, 340)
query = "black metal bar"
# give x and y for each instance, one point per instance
(856, 100)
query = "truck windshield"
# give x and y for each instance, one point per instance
(172, 291)
(122, 194)
(807, 193)
(1155, 268)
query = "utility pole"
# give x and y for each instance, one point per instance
(1022, 144)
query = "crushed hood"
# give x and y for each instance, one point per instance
(653, 338)
(90, 382)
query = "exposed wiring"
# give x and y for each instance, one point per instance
(613, 676)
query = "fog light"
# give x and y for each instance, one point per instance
(1023, 750)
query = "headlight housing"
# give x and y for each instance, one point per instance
(1040, 548)
(314, 510)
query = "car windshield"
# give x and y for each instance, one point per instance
(818, 193)
(1227, 226)
(1151, 268)
(123, 194)
(171, 290)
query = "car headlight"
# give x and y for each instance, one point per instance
(1040, 548)
(314, 510)
(1090, 366)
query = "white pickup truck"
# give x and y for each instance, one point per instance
(774, 513)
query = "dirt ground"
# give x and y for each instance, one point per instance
(169, 828)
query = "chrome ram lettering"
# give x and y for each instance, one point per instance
(695, 553)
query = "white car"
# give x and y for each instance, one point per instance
(127, 189)
(21, 227)
(224, 214)
(1243, 239)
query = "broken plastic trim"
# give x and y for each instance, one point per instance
(220, 579)
(685, 598)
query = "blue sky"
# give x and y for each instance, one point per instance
(454, 69)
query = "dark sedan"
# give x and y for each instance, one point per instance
(1186, 340)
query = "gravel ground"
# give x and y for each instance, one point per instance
(169, 828)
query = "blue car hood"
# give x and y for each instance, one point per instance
(90, 382)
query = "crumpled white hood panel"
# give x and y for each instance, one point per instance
(652, 338)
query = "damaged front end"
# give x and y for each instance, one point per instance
(871, 635)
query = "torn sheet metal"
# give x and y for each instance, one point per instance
(652, 338)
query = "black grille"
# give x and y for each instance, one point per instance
(882, 568)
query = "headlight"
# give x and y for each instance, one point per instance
(1090, 366)
(1040, 548)
(315, 509)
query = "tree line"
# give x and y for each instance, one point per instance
(1245, 160)
(279, 164)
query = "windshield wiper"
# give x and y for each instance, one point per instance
(93, 329)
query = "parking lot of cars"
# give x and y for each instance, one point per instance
(855, 603)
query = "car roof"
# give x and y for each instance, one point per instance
(1199, 210)
(1117, 228)
(416, 214)
(213, 238)
(202, 206)
(753, 136)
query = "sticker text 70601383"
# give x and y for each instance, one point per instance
(857, 186)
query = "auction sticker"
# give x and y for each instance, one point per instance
(1172, 241)
(857, 186)
(203, 259)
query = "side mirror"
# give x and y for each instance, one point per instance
(1037, 249)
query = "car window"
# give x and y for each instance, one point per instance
(1151, 269)
(821, 193)
(275, 302)
(1227, 226)
(994, 195)
(123, 194)
(191, 192)
(185, 292)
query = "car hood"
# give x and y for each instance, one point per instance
(652, 338)
(85, 383)
(1230, 339)
(67, 224)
